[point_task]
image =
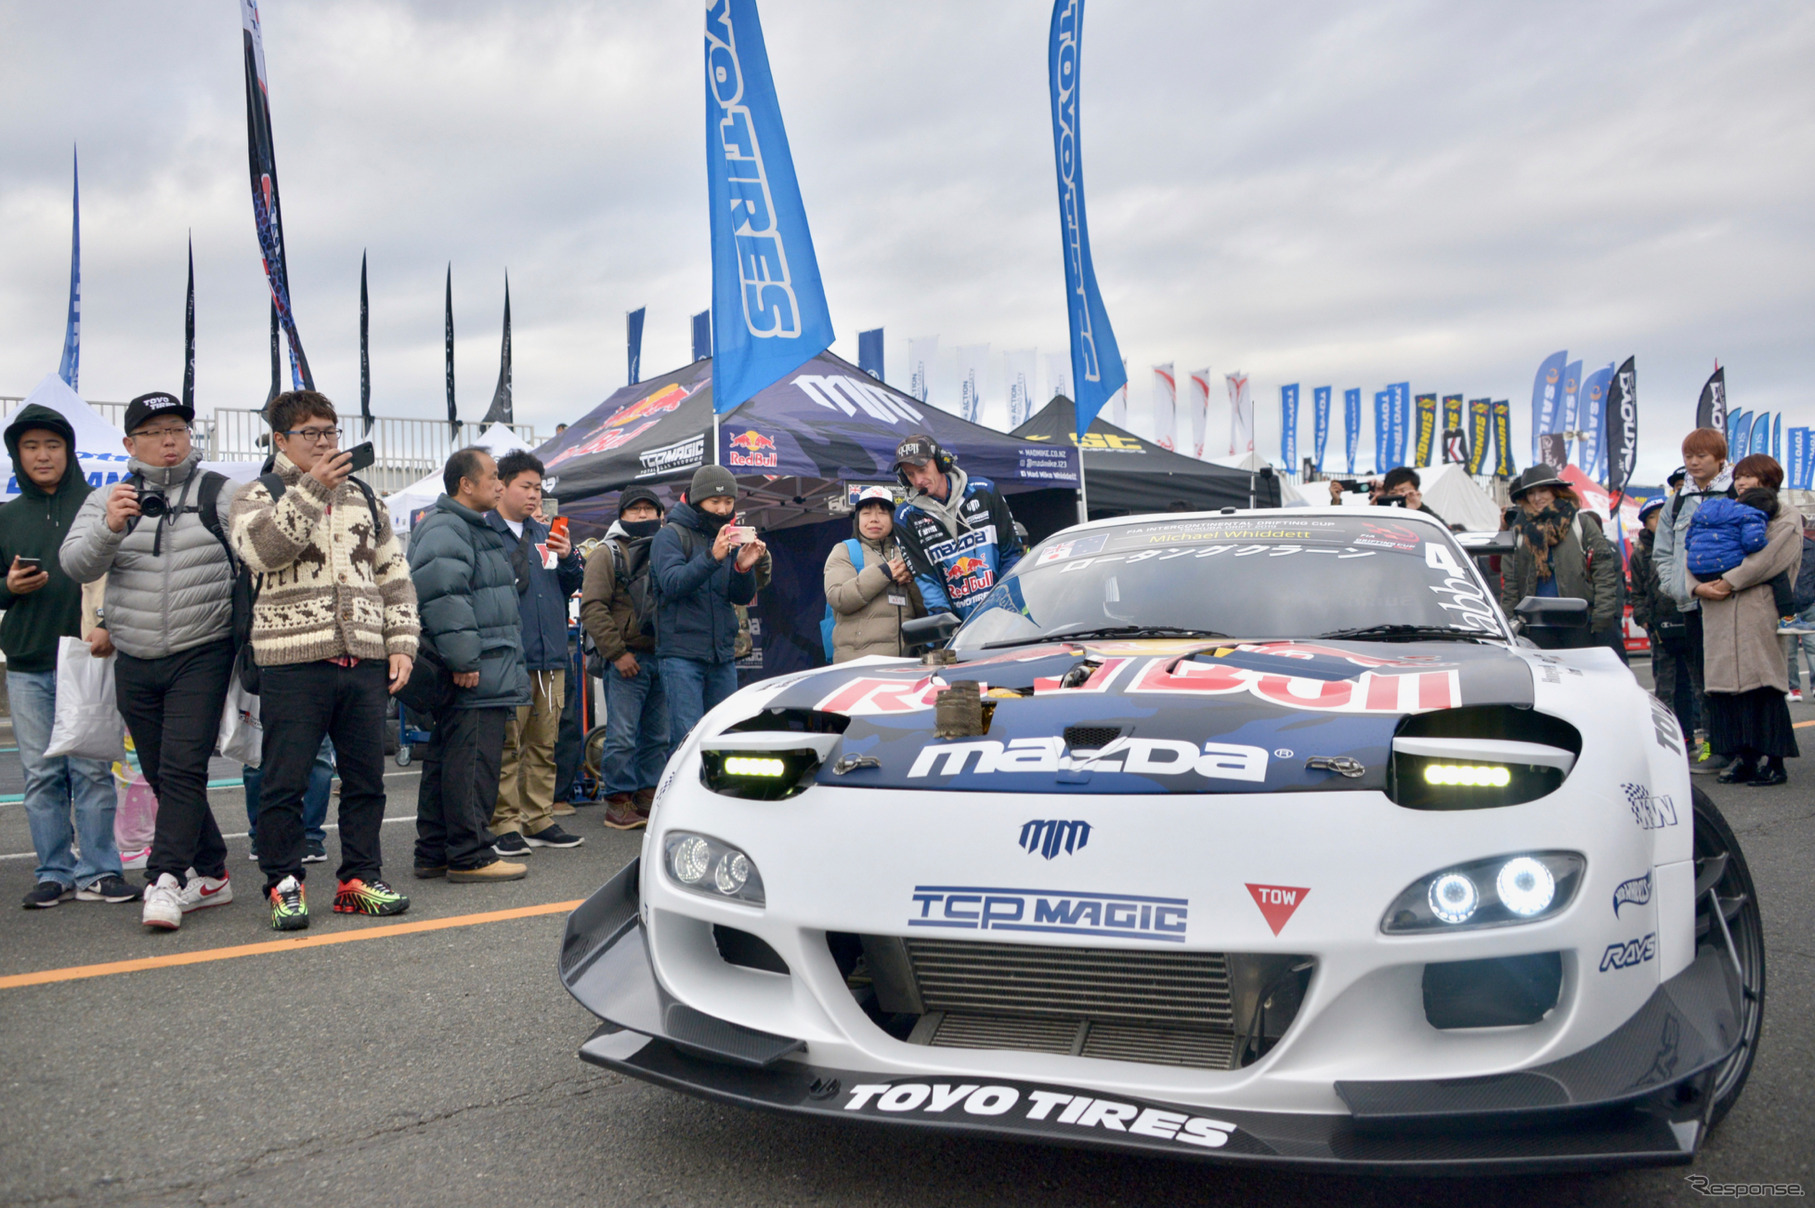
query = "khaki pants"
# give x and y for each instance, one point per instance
(526, 781)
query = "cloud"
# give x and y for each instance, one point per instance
(1316, 193)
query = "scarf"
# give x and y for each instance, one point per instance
(1544, 529)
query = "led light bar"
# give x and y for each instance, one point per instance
(1473, 776)
(755, 765)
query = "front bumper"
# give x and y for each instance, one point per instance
(1638, 1097)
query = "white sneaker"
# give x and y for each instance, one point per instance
(163, 904)
(1795, 696)
(205, 891)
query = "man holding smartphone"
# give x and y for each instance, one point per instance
(333, 634)
(702, 563)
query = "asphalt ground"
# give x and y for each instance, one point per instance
(438, 1067)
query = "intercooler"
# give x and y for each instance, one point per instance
(1169, 1008)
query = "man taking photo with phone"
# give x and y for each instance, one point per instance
(333, 635)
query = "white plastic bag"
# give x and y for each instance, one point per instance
(88, 723)
(242, 737)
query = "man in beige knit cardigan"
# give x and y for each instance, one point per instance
(333, 633)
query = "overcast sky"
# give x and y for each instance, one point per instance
(1316, 193)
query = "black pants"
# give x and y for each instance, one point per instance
(298, 704)
(1693, 648)
(1679, 684)
(459, 788)
(173, 707)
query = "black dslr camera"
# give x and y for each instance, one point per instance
(152, 503)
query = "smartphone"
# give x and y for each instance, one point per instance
(559, 526)
(1353, 486)
(31, 564)
(363, 456)
(742, 534)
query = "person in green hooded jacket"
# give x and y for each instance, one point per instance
(42, 605)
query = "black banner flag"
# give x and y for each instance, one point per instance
(266, 211)
(1711, 408)
(1623, 428)
(453, 415)
(501, 411)
(189, 334)
(365, 359)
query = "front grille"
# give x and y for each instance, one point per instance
(1170, 1008)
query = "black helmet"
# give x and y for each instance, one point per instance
(1539, 475)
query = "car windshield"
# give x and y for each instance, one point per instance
(1282, 575)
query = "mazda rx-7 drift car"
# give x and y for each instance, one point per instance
(1258, 837)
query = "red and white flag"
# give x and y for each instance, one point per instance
(1165, 407)
(1199, 409)
(1241, 414)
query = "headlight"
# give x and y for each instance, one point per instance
(1487, 893)
(710, 867)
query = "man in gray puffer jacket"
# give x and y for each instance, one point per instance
(466, 599)
(158, 536)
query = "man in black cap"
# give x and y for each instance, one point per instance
(617, 607)
(956, 530)
(160, 537)
(703, 564)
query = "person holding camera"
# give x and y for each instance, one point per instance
(702, 564)
(957, 531)
(333, 635)
(159, 536)
(868, 584)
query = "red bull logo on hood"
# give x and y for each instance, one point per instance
(751, 448)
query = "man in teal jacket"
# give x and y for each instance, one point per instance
(42, 606)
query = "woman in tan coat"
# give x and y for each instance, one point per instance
(1743, 667)
(870, 601)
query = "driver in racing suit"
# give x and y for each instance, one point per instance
(956, 530)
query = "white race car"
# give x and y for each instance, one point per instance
(1254, 836)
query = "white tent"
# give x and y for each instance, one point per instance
(1289, 494)
(100, 447)
(497, 439)
(1453, 495)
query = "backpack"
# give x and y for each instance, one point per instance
(246, 585)
(855, 548)
(630, 571)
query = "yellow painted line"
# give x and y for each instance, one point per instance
(1797, 725)
(77, 972)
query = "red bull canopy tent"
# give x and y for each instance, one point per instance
(799, 448)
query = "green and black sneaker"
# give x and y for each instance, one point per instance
(289, 908)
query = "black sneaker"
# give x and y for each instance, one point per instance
(553, 836)
(46, 894)
(510, 846)
(317, 853)
(110, 888)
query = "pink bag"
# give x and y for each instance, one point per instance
(135, 818)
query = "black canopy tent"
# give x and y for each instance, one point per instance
(1124, 474)
(801, 449)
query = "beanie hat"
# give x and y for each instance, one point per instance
(709, 481)
(635, 495)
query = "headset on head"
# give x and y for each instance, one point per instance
(942, 461)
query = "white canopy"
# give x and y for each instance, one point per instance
(1453, 495)
(497, 439)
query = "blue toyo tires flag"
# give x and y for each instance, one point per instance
(769, 312)
(1096, 362)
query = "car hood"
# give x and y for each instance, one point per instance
(1154, 717)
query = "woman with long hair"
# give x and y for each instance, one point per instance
(1743, 668)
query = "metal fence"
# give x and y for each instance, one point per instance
(407, 449)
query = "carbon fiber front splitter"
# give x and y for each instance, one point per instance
(1554, 1118)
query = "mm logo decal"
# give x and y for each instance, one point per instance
(1048, 837)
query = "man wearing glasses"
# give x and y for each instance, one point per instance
(158, 537)
(333, 633)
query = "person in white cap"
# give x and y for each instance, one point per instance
(869, 587)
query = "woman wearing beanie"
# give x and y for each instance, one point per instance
(702, 566)
(1743, 668)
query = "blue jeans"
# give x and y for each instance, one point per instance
(1805, 644)
(53, 785)
(315, 800)
(636, 729)
(693, 686)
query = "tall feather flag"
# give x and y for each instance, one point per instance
(633, 342)
(1425, 440)
(1165, 407)
(1320, 422)
(1622, 428)
(453, 413)
(1199, 409)
(277, 379)
(769, 312)
(1351, 426)
(1288, 428)
(1546, 395)
(1480, 432)
(1097, 371)
(70, 367)
(502, 410)
(1711, 407)
(267, 212)
(365, 357)
(189, 333)
(1503, 458)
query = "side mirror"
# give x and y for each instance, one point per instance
(929, 630)
(1552, 612)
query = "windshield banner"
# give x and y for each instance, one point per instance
(1096, 363)
(769, 311)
